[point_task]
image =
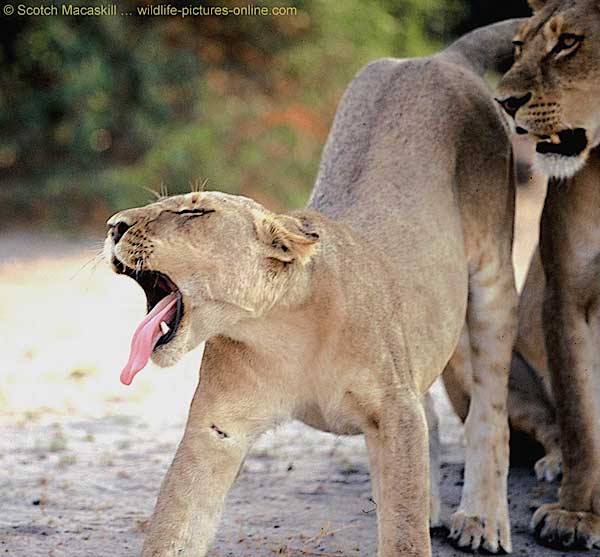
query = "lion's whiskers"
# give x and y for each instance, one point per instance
(157, 196)
(138, 268)
(197, 186)
(94, 261)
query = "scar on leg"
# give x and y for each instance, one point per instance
(219, 432)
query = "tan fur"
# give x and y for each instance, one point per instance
(343, 315)
(563, 309)
(555, 378)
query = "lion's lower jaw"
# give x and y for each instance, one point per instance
(169, 354)
(184, 341)
(559, 166)
(166, 356)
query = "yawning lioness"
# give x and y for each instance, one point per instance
(343, 315)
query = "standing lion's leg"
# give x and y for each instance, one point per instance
(228, 412)
(531, 411)
(575, 520)
(570, 255)
(482, 518)
(398, 455)
(435, 457)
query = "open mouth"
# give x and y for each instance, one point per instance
(568, 143)
(165, 311)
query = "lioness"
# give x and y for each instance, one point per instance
(553, 92)
(343, 315)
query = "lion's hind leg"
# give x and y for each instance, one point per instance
(530, 411)
(482, 518)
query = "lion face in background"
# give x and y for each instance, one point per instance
(553, 89)
(206, 261)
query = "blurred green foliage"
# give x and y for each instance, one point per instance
(93, 110)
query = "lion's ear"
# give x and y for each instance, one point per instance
(537, 4)
(287, 238)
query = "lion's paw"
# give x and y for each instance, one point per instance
(471, 533)
(556, 527)
(549, 468)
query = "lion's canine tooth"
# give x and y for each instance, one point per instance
(555, 139)
(164, 327)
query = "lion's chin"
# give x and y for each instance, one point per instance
(563, 154)
(560, 166)
(185, 341)
(169, 354)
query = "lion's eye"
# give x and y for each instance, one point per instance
(192, 212)
(567, 43)
(195, 211)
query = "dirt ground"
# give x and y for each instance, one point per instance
(82, 457)
(86, 488)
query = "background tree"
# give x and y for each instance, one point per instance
(95, 109)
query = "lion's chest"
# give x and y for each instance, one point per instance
(329, 420)
(348, 407)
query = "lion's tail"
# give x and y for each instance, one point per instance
(486, 48)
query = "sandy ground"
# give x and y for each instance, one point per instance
(82, 457)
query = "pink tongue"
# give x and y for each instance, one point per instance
(146, 336)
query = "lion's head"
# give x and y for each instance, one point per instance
(553, 89)
(206, 261)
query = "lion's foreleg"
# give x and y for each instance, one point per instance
(192, 494)
(228, 412)
(575, 521)
(435, 462)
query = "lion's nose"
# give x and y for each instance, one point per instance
(511, 105)
(118, 229)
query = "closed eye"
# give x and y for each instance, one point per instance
(193, 212)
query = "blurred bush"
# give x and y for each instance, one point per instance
(93, 110)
